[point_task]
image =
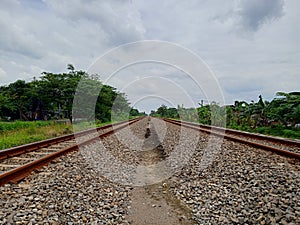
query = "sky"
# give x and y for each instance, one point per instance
(251, 47)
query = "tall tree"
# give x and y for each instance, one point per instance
(19, 97)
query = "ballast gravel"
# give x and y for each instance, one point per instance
(66, 192)
(239, 185)
(220, 182)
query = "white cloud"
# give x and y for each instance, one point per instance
(2, 74)
(15, 38)
(249, 44)
(45, 35)
(248, 16)
(119, 20)
(255, 13)
(10, 4)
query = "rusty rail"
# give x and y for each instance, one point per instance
(226, 135)
(6, 153)
(244, 133)
(21, 172)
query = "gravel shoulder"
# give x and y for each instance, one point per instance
(154, 204)
(227, 183)
(241, 185)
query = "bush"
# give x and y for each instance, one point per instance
(18, 133)
(291, 133)
(276, 130)
(261, 130)
(6, 126)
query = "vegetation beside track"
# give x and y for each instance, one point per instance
(17, 133)
(278, 130)
(21, 132)
(50, 97)
(279, 117)
(24, 132)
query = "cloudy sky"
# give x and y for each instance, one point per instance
(252, 46)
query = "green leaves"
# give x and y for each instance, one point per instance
(283, 111)
(52, 96)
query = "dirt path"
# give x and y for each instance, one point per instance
(154, 204)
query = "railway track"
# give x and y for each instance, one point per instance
(282, 146)
(241, 185)
(18, 162)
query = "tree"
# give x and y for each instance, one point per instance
(172, 113)
(204, 114)
(53, 95)
(283, 107)
(70, 67)
(18, 92)
(6, 105)
(162, 110)
(135, 112)
(296, 114)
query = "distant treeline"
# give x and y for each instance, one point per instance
(281, 116)
(51, 97)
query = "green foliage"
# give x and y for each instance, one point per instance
(204, 114)
(296, 114)
(164, 111)
(17, 133)
(283, 112)
(7, 126)
(24, 132)
(52, 96)
(278, 131)
(135, 113)
(277, 117)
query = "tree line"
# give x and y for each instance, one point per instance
(51, 97)
(279, 116)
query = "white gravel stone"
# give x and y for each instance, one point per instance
(229, 183)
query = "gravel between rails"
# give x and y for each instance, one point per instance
(39, 153)
(293, 145)
(235, 184)
(290, 147)
(242, 185)
(67, 191)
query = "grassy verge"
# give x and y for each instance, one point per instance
(278, 131)
(20, 132)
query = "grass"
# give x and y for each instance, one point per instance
(279, 131)
(19, 133)
(24, 132)
(7, 126)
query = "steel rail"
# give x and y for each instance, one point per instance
(236, 139)
(17, 174)
(10, 152)
(251, 135)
